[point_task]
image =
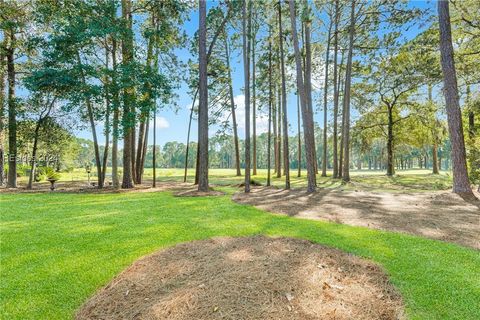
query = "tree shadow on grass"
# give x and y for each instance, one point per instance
(437, 215)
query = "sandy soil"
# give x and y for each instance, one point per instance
(437, 215)
(247, 278)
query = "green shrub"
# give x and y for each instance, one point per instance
(51, 174)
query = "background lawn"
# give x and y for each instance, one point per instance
(57, 249)
(372, 180)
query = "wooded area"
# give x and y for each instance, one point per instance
(75, 64)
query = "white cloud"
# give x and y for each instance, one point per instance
(162, 123)
(262, 119)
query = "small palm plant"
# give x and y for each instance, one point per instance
(52, 176)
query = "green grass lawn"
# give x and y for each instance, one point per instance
(57, 249)
(373, 180)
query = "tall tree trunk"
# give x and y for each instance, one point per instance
(145, 148)
(279, 132)
(325, 106)
(471, 116)
(139, 151)
(286, 161)
(450, 90)
(308, 83)
(12, 114)
(154, 156)
(340, 154)
(390, 158)
(434, 136)
(188, 142)
(474, 156)
(335, 94)
(116, 117)
(270, 102)
(247, 29)
(2, 117)
(133, 147)
(346, 99)
(43, 115)
(143, 127)
(254, 109)
(197, 164)
(435, 158)
(299, 148)
(307, 117)
(34, 154)
(232, 107)
(341, 87)
(274, 125)
(128, 117)
(107, 121)
(91, 119)
(208, 54)
(203, 100)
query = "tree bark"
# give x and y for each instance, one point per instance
(346, 99)
(12, 114)
(2, 117)
(390, 159)
(325, 106)
(286, 160)
(341, 87)
(307, 117)
(308, 84)
(254, 109)
(279, 132)
(139, 151)
(435, 158)
(203, 100)
(247, 29)
(450, 90)
(133, 147)
(116, 118)
(144, 147)
(335, 93)
(299, 148)
(107, 121)
(270, 102)
(154, 156)
(128, 118)
(434, 136)
(274, 125)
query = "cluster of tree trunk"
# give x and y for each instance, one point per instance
(135, 125)
(461, 183)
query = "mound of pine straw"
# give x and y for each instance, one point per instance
(247, 278)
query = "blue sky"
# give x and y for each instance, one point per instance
(173, 126)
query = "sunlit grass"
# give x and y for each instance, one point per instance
(373, 180)
(57, 249)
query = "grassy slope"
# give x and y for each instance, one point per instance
(57, 249)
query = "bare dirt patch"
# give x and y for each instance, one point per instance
(247, 278)
(437, 215)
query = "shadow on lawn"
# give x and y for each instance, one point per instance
(437, 215)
